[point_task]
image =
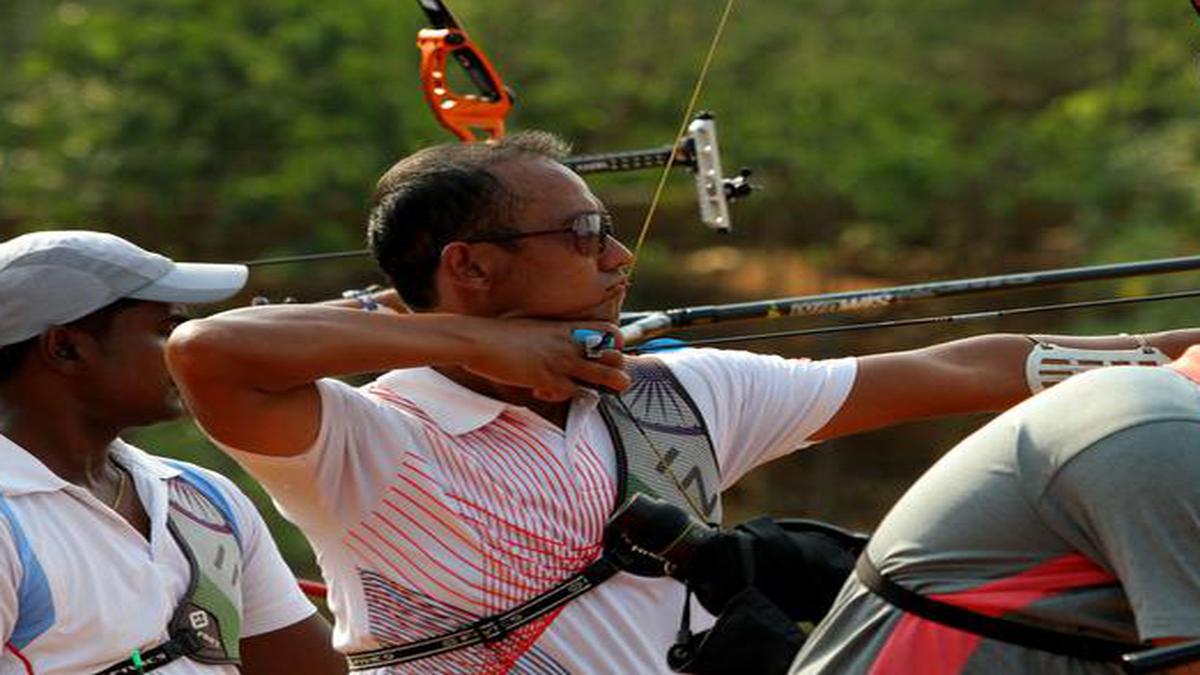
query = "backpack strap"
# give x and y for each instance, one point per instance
(663, 449)
(206, 624)
(993, 628)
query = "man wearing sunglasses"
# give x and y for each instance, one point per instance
(477, 474)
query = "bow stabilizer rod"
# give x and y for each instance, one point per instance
(647, 325)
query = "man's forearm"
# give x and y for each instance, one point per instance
(279, 347)
(986, 373)
(1172, 342)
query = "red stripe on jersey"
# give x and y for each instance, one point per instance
(20, 657)
(485, 519)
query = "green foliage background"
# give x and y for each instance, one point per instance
(896, 140)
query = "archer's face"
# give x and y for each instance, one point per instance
(127, 380)
(548, 276)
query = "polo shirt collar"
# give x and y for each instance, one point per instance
(137, 459)
(454, 408)
(22, 473)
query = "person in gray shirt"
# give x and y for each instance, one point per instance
(1077, 511)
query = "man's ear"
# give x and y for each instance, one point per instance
(468, 267)
(61, 348)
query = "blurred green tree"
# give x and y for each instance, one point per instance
(897, 138)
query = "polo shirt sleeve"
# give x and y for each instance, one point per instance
(353, 459)
(1132, 500)
(760, 407)
(271, 598)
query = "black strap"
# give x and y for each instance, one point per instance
(177, 647)
(994, 628)
(491, 628)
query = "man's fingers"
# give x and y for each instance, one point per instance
(556, 394)
(602, 326)
(597, 374)
(611, 358)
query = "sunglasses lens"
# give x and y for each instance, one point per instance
(592, 231)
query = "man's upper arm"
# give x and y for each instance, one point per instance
(276, 423)
(282, 632)
(302, 648)
(760, 407)
(356, 454)
(271, 597)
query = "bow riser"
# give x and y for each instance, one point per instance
(462, 114)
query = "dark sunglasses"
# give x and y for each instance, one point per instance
(591, 232)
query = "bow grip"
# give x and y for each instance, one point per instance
(593, 341)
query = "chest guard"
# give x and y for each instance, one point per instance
(211, 611)
(207, 623)
(662, 444)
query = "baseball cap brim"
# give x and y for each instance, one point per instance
(195, 282)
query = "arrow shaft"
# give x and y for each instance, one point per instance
(656, 323)
(945, 318)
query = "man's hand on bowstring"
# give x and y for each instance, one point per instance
(544, 357)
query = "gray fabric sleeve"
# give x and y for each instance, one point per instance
(1131, 502)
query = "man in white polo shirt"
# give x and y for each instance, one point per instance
(100, 541)
(477, 475)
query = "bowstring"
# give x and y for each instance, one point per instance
(681, 133)
(645, 230)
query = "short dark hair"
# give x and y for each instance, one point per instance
(96, 324)
(443, 194)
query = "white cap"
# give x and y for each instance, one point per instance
(52, 278)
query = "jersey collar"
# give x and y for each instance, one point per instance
(22, 473)
(454, 408)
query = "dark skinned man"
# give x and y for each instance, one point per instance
(100, 541)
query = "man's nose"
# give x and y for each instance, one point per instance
(616, 255)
